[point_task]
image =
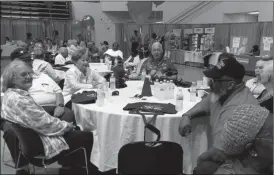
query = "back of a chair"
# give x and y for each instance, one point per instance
(141, 158)
(30, 142)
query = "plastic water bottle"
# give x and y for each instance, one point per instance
(168, 89)
(144, 74)
(165, 95)
(100, 97)
(179, 100)
(193, 92)
(156, 88)
(172, 85)
(161, 91)
(112, 82)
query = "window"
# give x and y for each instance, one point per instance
(36, 9)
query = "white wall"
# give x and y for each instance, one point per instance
(216, 14)
(102, 23)
(240, 18)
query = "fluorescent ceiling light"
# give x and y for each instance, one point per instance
(159, 22)
(253, 13)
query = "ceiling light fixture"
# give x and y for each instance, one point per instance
(253, 13)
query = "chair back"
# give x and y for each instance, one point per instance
(150, 158)
(30, 143)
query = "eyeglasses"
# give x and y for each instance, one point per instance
(211, 80)
(26, 74)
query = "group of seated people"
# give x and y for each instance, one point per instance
(33, 99)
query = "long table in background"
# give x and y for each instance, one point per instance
(192, 58)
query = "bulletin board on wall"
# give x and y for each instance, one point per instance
(238, 45)
(266, 46)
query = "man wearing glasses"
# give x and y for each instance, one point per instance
(227, 92)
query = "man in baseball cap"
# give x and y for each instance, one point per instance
(227, 92)
(246, 146)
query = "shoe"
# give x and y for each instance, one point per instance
(25, 172)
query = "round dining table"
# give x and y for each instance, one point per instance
(114, 127)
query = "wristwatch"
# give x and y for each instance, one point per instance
(61, 105)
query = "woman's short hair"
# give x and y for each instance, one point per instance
(267, 71)
(79, 53)
(7, 76)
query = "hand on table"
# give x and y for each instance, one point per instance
(185, 126)
(59, 111)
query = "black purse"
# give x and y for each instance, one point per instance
(86, 97)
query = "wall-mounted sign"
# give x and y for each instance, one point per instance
(188, 31)
(210, 30)
(267, 41)
(198, 30)
(177, 32)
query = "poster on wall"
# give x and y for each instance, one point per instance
(238, 45)
(236, 42)
(188, 32)
(177, 32)
(267, 41)
(198, 30)
(210, 30)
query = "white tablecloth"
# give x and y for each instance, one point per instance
(113, 127)
(7, 49)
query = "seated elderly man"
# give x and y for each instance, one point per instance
(80, 76)
(157, 66)
(62, 57)
(57, 136)
(227, 92)
(266, 97)
(114, 53)
(246, 145)
(254, 84)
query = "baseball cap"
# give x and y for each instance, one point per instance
(21, 54)
(226, 67)
(104, 43)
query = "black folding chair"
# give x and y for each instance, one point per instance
(159, 157)
(29, 140)
(150, 158)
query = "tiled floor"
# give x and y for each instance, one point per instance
(188, 74)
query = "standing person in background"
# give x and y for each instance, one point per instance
(93, 52)
(135, 40)
(79, 38)
(56, 38)
(255, 50)
(167, 46)
(29, 39)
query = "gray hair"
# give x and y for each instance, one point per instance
(7, 76)
(62, 49)
(268, 70)
(157, 44)
(79, 53)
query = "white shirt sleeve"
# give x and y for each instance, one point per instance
(75, 85)
(59, 59)
(54, 86)
(51, 73)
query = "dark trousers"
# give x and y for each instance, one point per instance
(73, 138)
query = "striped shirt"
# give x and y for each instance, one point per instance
(19, 107)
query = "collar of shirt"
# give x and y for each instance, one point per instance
(228, 96)
(20, 91)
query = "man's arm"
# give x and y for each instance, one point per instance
(200, 109)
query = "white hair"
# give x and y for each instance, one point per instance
(157, 44)
(10, 70)
(267, 72)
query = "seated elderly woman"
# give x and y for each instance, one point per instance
(80, 76)
(157, 66)
(254, 84)
(62, 57)
(19, 107)
(114, 53)
(143, 53)
(266, 97)
(246, 146)
(40, 65)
